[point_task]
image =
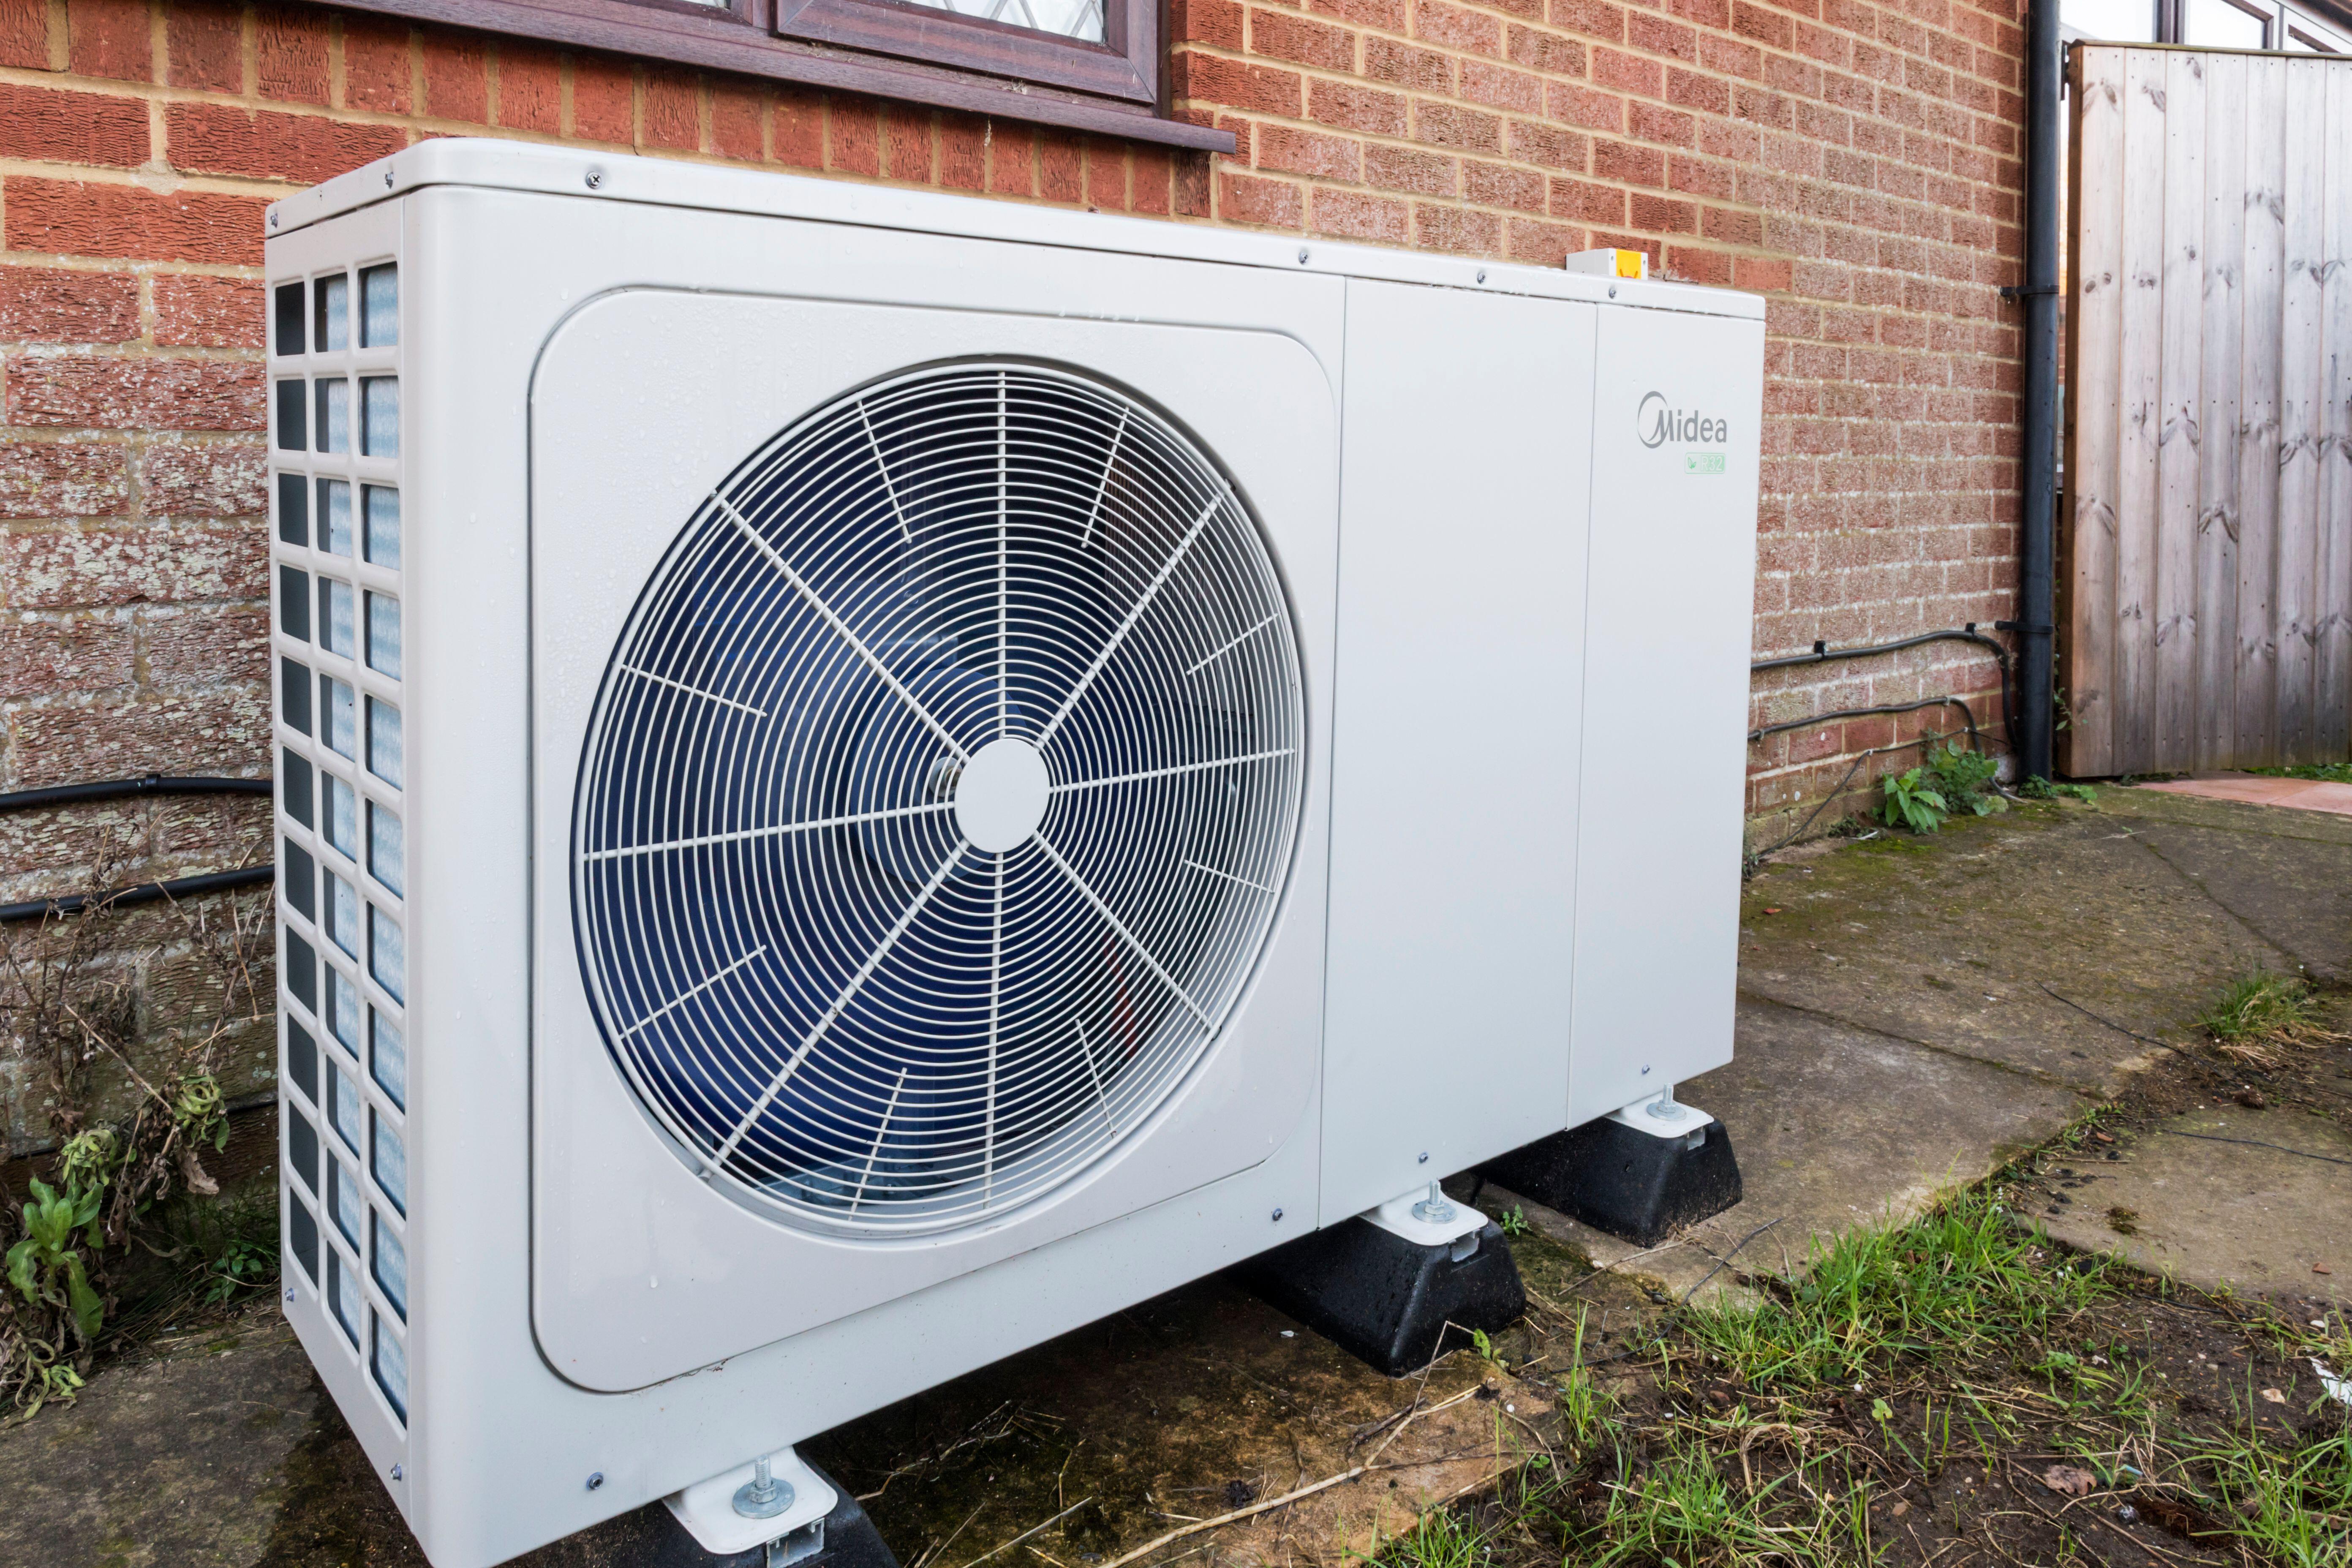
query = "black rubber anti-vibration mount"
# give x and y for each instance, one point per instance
(850, 1542)
(1395, 1304)
(1625, 1181)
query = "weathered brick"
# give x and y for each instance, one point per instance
(1533, 141)
(210, 732)
(1403, 169)
(1593, 18)
(377, 64)
(1497, 87)
(1058, 176)
(1355, 215)
(220, 138)
(68, 218)
(672, 111)
(1409, 66)
(963, 152)
(1544, 244)
(204, 46)
(42, 656)
(1388, 16)
(530, 89)
(64, 478)
(1237, 84)
(204, 478)
(1501, 185)
(1295, 152)
(38, 124)
(1154, 181)
(1012, 159)
(1106, 175)
(1540, 51)
(1456, 27)
(1462, 229)
(291, 53)
(1586, 203)
(737, 111)
(53, 305)
(1350, 106)
(24, 34)
(1287, 37)
(1243, 198)
(71, 566)
(110, 38)
(92, 393)
(194, 644)
(1451, 125)
(1220, 24)
(795, 128)
(456, 78)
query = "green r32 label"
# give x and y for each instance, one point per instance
(1702, 462)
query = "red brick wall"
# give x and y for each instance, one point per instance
(1856, 162)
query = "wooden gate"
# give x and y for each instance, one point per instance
(2205, 578)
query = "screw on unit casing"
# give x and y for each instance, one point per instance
(387, 179)
(1482, 275)
(1612, 294)
(595, 178)
(1278, 1215)
(1302, 256)
(1422, 1159)
(763, 1496)
(595, 1480)
(290, 1292)
(395, 1472)
(1434, 1209)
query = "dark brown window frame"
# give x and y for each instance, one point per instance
(883, 47)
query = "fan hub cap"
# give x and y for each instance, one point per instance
(1001, 795)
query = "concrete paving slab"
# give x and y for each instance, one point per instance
(1834, 1126)
(2295, 794)
(182, 1461)
(2257, 1200)
(1989, 938)
(2295, 892)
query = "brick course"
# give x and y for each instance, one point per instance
(1856, 162)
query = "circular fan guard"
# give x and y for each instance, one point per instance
(938, 798)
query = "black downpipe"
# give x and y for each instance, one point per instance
(2036, 623)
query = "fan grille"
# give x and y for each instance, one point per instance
(938, 798)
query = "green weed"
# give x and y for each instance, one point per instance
(1686, 1510)
(2039, 788)
(1965, 779)
(2294, 1509)
(2331, 772)
(1912, 801)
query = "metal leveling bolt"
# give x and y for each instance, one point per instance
(763, 1496)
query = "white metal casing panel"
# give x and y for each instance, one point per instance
(640, 1275)
(1664, 771)
(1454, 806)
(496, 243)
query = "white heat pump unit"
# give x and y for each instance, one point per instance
(867, 777)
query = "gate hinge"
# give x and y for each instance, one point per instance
(2010, 293)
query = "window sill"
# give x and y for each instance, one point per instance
(723, 41)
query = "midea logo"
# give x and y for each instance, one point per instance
(1658, 424)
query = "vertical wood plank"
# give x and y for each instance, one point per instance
(2301, 322)
(2332, 719)
(2262, 265)
(2139, 387)
(2223, 315)
(2094, 323)
(2174, 732)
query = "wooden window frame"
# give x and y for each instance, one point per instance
(885, 47)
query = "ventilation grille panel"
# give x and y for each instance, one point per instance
(938, 798)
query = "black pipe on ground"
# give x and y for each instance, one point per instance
(2036, 623)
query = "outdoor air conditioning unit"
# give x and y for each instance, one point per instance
(867, 777)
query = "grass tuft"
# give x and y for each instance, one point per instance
(2255, 1017)
(1960, 1280)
